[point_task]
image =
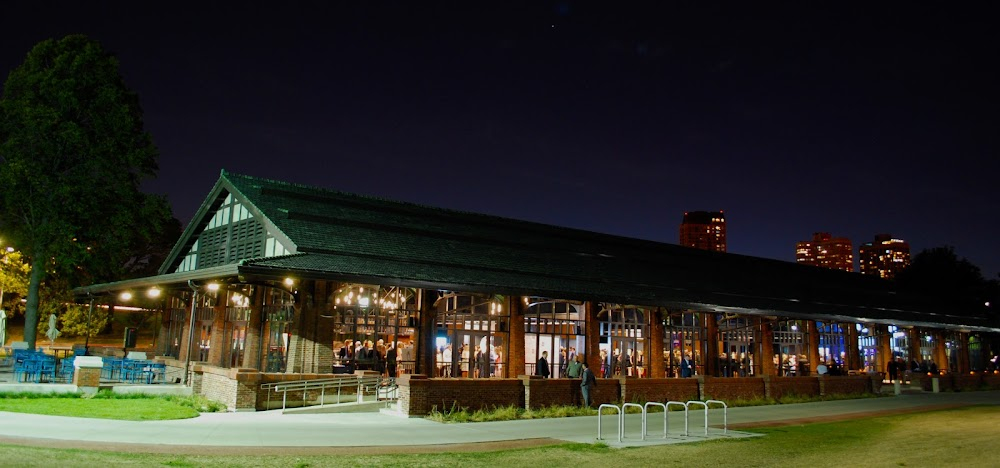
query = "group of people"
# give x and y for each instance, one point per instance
(897, 368)
(470, 361)
(576, 368)
(377, 356)
(623, 364)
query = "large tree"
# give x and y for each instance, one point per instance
(73, 152)
(954, 282)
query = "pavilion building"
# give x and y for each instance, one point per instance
(277, 281)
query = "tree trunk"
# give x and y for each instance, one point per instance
(31, 307)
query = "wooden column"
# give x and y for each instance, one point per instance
(311, 346)
(853, 361)
(962, 343)
(940, 353)
(764, 360)
(884, 347)
(593, 330)
(710, 358)
(218, 342)
(914, 338)
(813, 351)
(515, 351)
(164, 331)
(251, 356)
(182, 355)
(654, 348)
(426, 350)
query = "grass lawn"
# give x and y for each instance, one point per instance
(134, 407)
(963, 437)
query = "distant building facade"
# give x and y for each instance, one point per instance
(826, 251)
(884, 257)
(705, 230)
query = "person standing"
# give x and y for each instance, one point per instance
(893, 369)
(587, 384)
(686, 366)
(542, 366)
(575, 369)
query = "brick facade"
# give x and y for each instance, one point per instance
(737, 388)
(779, 387)
(662, 390)
(418, 395)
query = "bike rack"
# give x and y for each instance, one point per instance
(620, 420)
(702, 403)
(683, 405)
(636, 405)
(645, 413)
(725, 415)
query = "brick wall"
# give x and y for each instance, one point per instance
(966, 382)
(736, 388)
(270, 400)
(992, 381)
(236, 388)
(778, 387)
(418, 395)
(846, 384)
(661, 390)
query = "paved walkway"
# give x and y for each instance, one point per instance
(269, 431)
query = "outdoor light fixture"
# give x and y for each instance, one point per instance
(153, 293)
(289, 282)
(212, 286)
(125, 296)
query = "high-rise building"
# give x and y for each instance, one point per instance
(826, 251)
(704, 230)
(884, 257)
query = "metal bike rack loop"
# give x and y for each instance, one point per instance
(725, 415)
(682, 405)
(702, 403)
(636, 405)
(645, 414)
(600, 412)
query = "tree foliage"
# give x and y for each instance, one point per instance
(956, 283)
(73, 152)
(13, 281)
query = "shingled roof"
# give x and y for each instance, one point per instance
(336, 235)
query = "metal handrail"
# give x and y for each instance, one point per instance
(626, 405)
(362, 383)
(725, 415)
(620, 418)
(645, 413)
(682, 405)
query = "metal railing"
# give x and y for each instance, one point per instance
(361, 384)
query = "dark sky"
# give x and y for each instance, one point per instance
(613, 117)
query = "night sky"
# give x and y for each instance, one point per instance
(813, 116)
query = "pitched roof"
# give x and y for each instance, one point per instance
(345, 236)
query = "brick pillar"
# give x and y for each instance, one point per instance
(593, 330)
(853, 356)
(654, 348)
(940, 351)
(813, 346)
(711, 357)
(764, 360)
(426, 352)
(251, 358)
(218, 342)
(515, 347)
(962, 348)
